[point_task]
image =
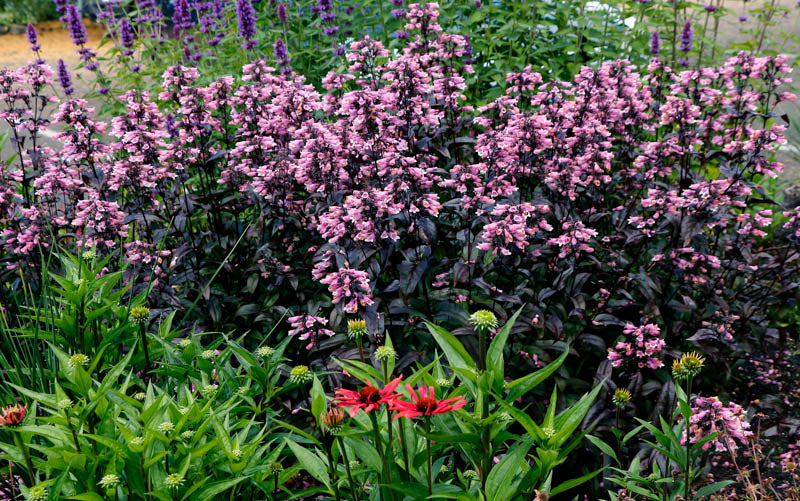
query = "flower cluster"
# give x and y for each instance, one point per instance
(644, 350)
(710, 415)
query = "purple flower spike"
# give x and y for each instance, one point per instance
(126, 36)
(246, 18)
(182, 17)
(33, 38)
(655, 44)
(282, 12)
(63, 77)
(77, 31)
(686, 37)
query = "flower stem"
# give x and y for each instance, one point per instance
(688, 441)
(428, 450)
(347, 468)
(332, 469)
(31, 480)
(72, 429)
(404, 448)
(143, 334)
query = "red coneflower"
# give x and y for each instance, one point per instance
(368, 399)
(12, 415)
(425, 404)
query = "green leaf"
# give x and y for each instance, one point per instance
(455, 352)
(607, 450)
(500, 484)
(708, 490)
(494, 357)
(212, 490)
(569, 484)
(523, 385)
(318, 402)
(310, 462)
(569, 420)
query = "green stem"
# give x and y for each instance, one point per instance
(377, 437)
(359, 342)
(688, 441)
(347, 468)
(332, 469)
(428, 450)
(143, 334)
(31, 480)
(404, 448)
(72, 429)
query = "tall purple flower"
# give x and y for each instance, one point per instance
(182, 17)
(33, 38)
(61, 6)
(246, 18)
(282, 17)
(686, 37)
(279, 49)
(126, 36)
(63, 77)
(77, 31)
(655, 44)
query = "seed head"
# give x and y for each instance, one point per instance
(139, 396)
(333, 419)
(276, 468)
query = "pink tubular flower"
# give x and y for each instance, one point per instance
(424, 404)
(644, 349)
(309, 327)
(709, 415)
(350, 288)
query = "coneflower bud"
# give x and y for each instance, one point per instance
(77, 31)
(109, 481)
(64, 78)
(385, 353)
(166, 427)
(37, 493)
(655, 44)
(173, 481)
(265, 352)
(356, 329)
(78, 360)
(282, 17)
(276, 468)
(692, 363)
(140, 314)
(33, 38)
(301, 375)
(621, 397)
(483, 320)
